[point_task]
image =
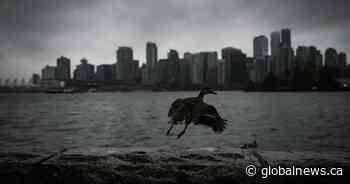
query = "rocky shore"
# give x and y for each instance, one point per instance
(160, 165)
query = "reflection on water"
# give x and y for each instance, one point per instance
(278, 121)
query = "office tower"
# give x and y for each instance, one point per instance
(63, 68)
(185, 73)
(84, 71)
(331, 58)
(164, 71)
(301, 57)
(260, 54)
(35, 79)
(275, 52)
(151, 60)
(342, 61)
(104, 72)
(261, 45)
(221, 72)
(204, 68)
(134, 70)
(236, 74)
(286, 38)
(48, 73)
(173, 58)
(1, 84)
(124, 63)
(144, 74)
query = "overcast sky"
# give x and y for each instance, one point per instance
(34, 33)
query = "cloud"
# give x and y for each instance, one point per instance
(34, 33)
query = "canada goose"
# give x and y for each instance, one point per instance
(194, 110)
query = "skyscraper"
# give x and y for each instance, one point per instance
(48, 73)
(35, 79)
(204, 68)
(331, 58)
(286, 66)
(124, 63)
(84, 71)
(286, 38)
(63, 68)
(342, 61)
(261, 46)
(275, 52)
(260, 56)
(173, 58)
(151, 60)
(236, 73)
(104, 72)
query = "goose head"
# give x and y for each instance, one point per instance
(206, 91)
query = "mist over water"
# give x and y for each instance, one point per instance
(278, 121)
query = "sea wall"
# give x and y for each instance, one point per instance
(141, 165)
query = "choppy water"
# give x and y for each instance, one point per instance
(278, 121)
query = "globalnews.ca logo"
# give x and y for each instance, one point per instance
(265, 172)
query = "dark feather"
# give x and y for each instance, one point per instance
(209, 116)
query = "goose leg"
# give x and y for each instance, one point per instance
(170, 128)
(183, 131)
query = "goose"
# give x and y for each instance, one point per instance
(194, 109)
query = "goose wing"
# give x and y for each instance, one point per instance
(209, 116)
(175, 106)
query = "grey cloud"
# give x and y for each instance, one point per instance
(38, 31)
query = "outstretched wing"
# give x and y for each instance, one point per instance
(209, 116)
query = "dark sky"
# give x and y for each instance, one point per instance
(34, 33)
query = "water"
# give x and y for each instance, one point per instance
(278, 121)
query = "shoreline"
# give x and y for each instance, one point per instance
(160, 165)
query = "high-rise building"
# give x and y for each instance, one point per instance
(63, 68)
(173, 58)
(221, 72)
(204, 68)
(260, 55)
(275, 52)
(48, 73)
(104, 72)
(261, 46)
(331, 58)
(301, 58)
(84, 71)
(164, 71)
(236, 73)
(342, 61)
(286, 38)
(124, 63)
(35, 79)
(151, 60)
(1, 82)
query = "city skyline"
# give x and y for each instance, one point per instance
(93, 29)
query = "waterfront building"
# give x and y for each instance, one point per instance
(342, 61)
(286, 38)
(84, 71)
(331, 58)
(275, 52)
(260, 45)
(104, 72)
(151, 60)
(63, 71)
(221, 72)
(236, 74)
(35, 79)
(48, 73)
(124, 63)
